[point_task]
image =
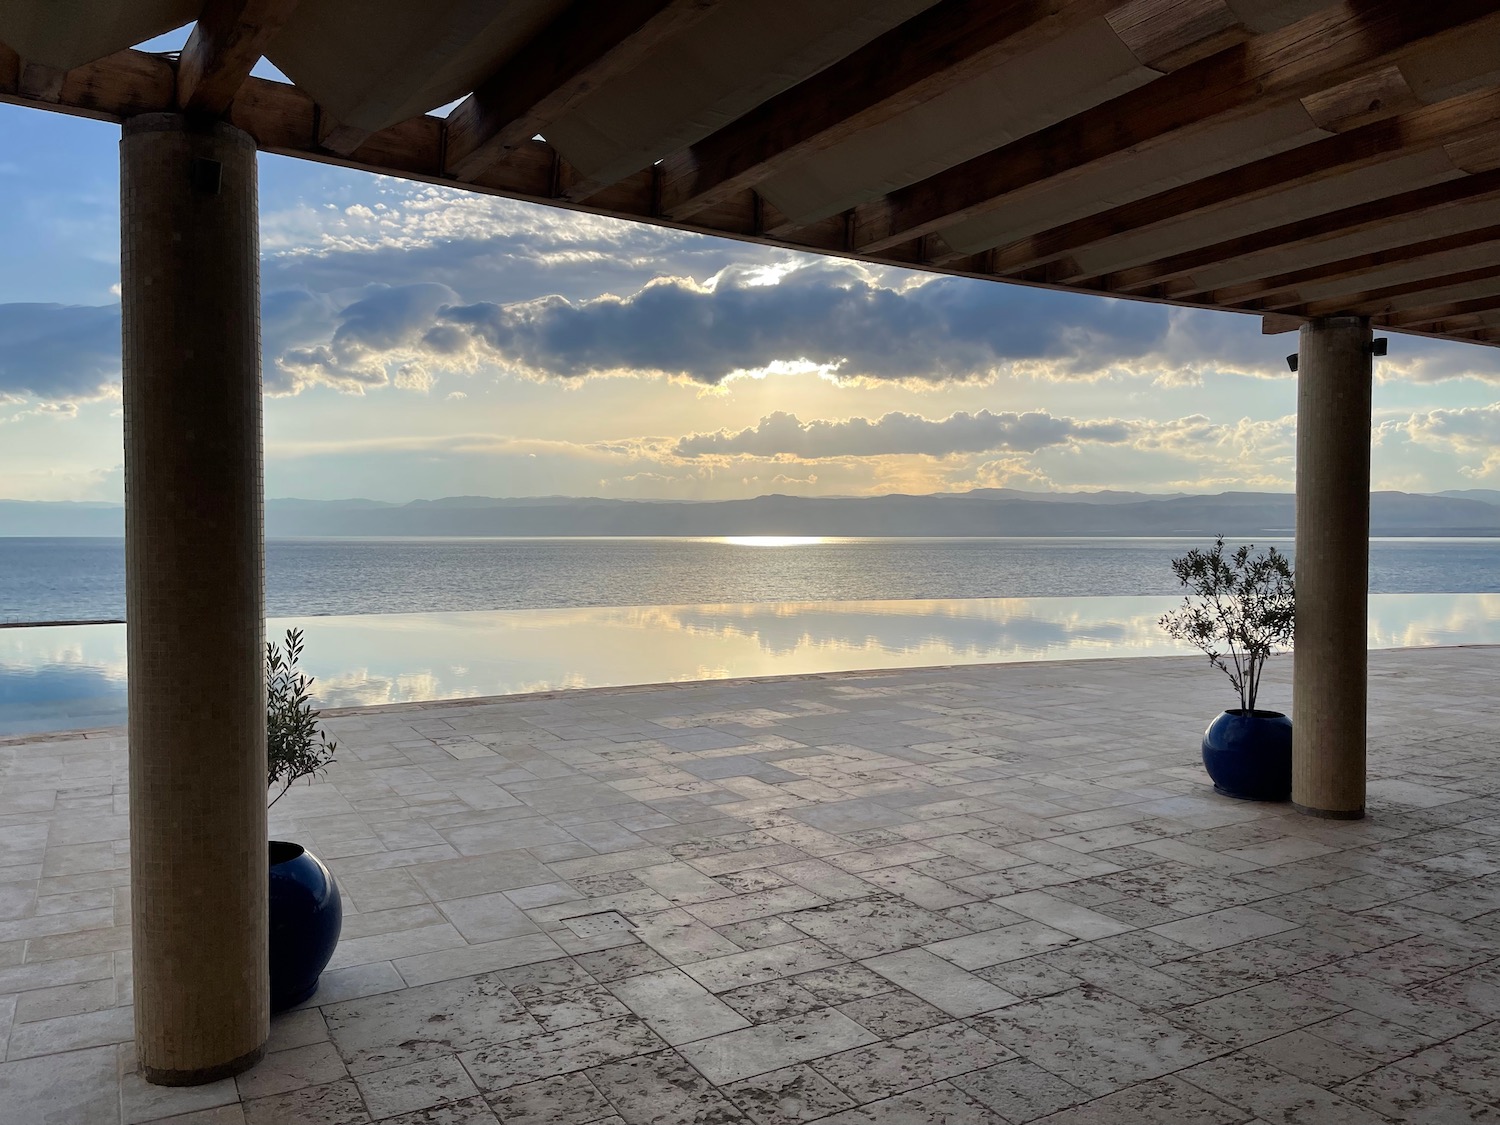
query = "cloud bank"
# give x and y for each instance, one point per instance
(59, 352)
(852, 322)
(782, 434)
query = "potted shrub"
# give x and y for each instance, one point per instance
(306, 910)
(1240, 608)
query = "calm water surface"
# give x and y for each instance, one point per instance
(65, 677)
(84, 579)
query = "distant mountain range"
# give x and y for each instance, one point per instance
(986, 511)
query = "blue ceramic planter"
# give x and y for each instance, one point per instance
(306, 917)
(1249, 755)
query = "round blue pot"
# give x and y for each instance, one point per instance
(306, 917)
(1249, 755)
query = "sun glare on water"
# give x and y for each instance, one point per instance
(773, 540)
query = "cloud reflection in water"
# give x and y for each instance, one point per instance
(62, 677)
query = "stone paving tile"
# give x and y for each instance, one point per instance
(893, 1013)
(993, 947)
(677, 1007)
(416, 1086)
(681, 938)
(1254, 1014)
(1371, 1036)
(772, 1046)
(1255, 1087)
(940, 983)
(424, 1023)
(870, 926)
(567, 1099)
(1406, 1097)
(76, 1085)
(469, 1111)
(869, 1074)
(574, 1006)
(335, 1103)
(1019, 1091)
(309, 1065)
(1314, 1058)
(771, 1000)
(788, 1097)
(662, 1087)
(1164, 1101)
(753, 966)
(1060, 914)
(1095, 1040)
(842, 983)
(939, 1104)
(1223, 927)
(559, 1052)
(990, 895)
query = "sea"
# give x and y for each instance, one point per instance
(402, 620)
(77, 579)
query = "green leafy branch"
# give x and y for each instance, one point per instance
(1239, 610)
(296, 745)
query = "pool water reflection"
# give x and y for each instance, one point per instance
(73, 677)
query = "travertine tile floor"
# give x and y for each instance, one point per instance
(977, 895)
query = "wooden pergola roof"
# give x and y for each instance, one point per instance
(1291, 158)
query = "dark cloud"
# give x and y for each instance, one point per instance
(830, 314)
(59, 352)
(783, 434)
(360, 337)
(488, 248)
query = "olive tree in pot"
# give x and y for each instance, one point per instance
(1239, 610)
(306, 910)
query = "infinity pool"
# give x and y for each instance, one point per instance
(73, 676)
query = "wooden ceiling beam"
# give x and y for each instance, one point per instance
(108, 89)
(1428, 315)
(1421, 130)
(1348, 268)
(1327, 48)
(226, 42)
(1385, 299)
(10, 70)
(1302, 233)
(588, 44)
(1168, 35)
(336, 136)
(935, 51)
(285, 120)
(1473, 333)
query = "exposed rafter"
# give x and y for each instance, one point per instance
(1171, 34)
(226, 42)
(1323, 50)
(1394, 285)
(592, 41)
(1428, 315)
(939, 49)
(1388, 298)
(1266, 290)
(1302, 234)
(1419, 131)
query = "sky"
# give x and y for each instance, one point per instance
(421, 342)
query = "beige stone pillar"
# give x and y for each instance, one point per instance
(194, 604)
(1330, 659)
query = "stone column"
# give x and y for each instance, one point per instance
(190, 287)
(1333, 567)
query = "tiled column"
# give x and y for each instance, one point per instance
(1333, 567)
(194, 605)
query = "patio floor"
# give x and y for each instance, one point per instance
(983, 895)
